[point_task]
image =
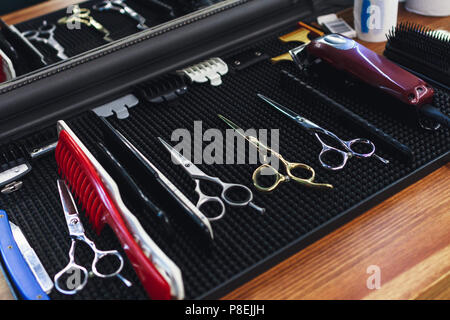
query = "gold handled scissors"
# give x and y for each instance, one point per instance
(264, 168)
(345, 150)
(83, 15)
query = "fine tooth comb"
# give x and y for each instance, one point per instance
(99, 195)
(166, 88)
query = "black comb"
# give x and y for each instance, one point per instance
(166, 88)
(422, 51)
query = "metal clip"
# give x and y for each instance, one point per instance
(209, 70)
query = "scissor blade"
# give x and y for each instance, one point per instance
(67, 201)
(175, 154)
(232, 125)
(286, 111)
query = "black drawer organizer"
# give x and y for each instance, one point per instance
(245, 243)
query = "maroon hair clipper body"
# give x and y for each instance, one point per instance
(377, 71)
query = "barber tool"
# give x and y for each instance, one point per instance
(129, 187)
(7, 71)
(151, 176)
(303, 35)
(13, 172)
(121, 7)
(118, 107)
(41, 151)
(267, 169)
(198, 175)
(247, 59)
(166, 88)
(24, 267)
(316, 130)
(291, 83)
(210, 70)
(160, 5)
(422, 51)
(76, 232)
(351, 57)
(100, 197)
(83, 15)
(46, 35)
(12, 187)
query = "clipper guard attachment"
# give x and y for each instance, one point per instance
(98, 195)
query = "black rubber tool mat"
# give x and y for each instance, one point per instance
(246, 242)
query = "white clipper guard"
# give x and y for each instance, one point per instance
(210, 70)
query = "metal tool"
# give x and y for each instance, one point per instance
(46, 35)
(13, 174)
(316, 130)
(198, 175)
(210, 70)
(83, 15)
(121, 7)
(24, 267)
(77, 233)
(41, 151)
(279, 178)
(304, 34)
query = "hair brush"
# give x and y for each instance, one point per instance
(101, 199)
(422, 51)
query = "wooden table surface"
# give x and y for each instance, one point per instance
(407, 236)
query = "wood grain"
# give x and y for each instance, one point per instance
(37, 10)
(406, 236)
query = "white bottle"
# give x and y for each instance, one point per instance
(375, 18)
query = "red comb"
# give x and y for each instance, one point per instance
(77, 169)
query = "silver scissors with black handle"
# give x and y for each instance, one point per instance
(198, 175)
(347, 150)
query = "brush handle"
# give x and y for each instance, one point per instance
(349, 56)
(378, 134)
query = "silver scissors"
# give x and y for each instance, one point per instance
(77, 233)
(46, 35)
(121, 7)
(347, 152)
(198, 175)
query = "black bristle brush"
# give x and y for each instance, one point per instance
(422, 51)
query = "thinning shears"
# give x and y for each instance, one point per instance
(198, 175)
(46, 35)
(267, 169)
(314, 129)
(77, 233)
(121, 7)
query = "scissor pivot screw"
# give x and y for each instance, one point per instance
(74, 221)
(187, 165)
